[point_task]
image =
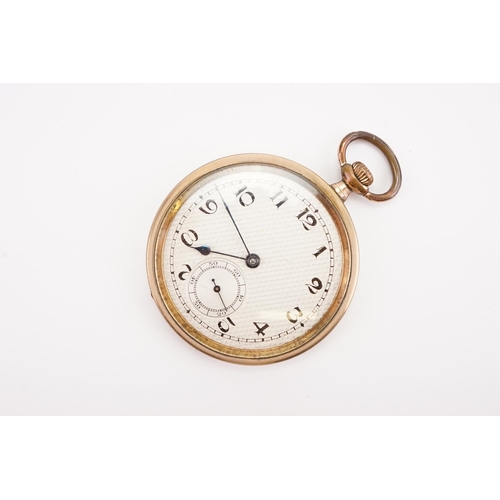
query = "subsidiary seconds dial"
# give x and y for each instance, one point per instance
(216, 288)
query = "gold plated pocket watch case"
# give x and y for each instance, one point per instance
(253, 258)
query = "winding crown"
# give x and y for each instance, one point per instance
(362, 173)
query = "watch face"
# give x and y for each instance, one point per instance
(251, 261)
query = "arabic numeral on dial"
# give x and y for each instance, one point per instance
(189, 238)
(315, 285)
(278, 199)
(245, 197)
(260, 328)
(294, 315)
(319, 251)
(308, 221)
(210, 207)
(224, 325)
(183, 273)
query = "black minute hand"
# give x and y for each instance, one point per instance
(235, 225)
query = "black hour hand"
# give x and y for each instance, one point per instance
(206, 250)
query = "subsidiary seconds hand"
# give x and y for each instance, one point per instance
(252, 260)
(217, 290)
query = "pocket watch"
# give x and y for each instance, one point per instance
(253, 258)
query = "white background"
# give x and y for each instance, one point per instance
(84, 169)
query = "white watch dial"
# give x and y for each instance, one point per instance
(252, 258)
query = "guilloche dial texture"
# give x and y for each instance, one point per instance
(275, 215)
